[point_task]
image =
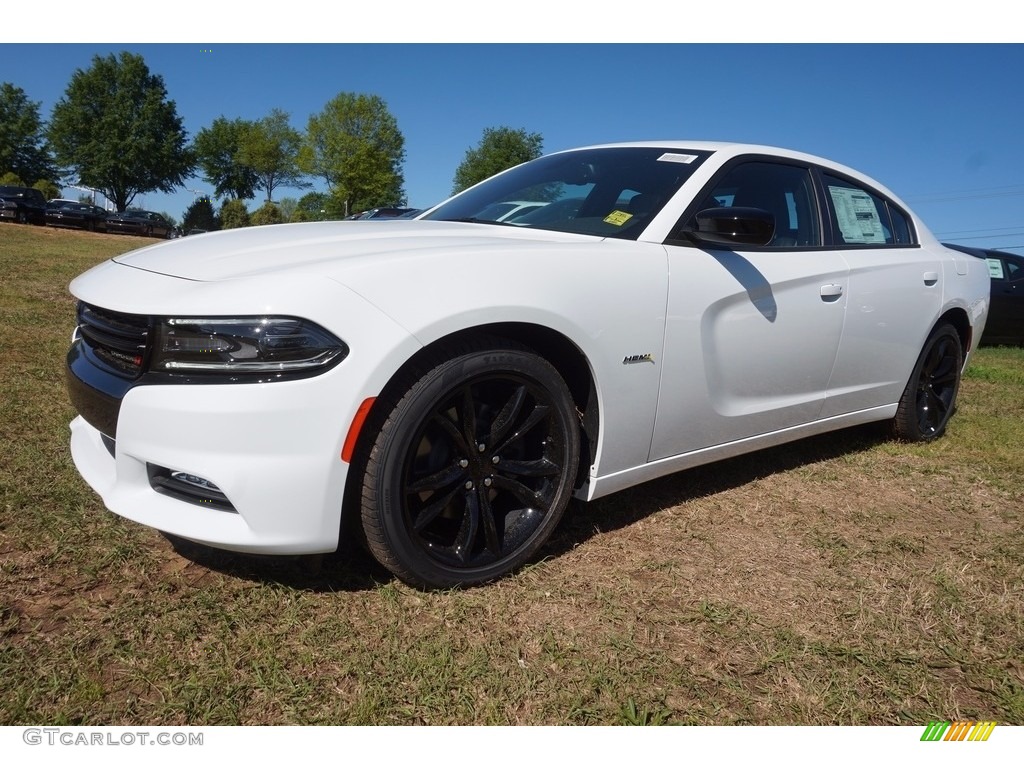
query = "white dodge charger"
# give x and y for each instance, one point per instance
(448, 383)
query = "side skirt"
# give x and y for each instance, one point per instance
(598, 486)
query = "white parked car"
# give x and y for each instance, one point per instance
(448, 384)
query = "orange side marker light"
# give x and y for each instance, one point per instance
(349, 448)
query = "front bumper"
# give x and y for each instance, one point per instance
(270, 450)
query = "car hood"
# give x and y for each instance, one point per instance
(326, 248)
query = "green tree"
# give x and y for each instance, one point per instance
(499, 149)
(268, 213)
(48, 188)
(287, 207)
(116, 128)
(11, 179)
(354, 144)
(312, 206)
(270, 149)
(233, 214)
(200, 215)
(23, 147)
(217, 151)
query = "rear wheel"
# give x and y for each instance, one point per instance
(928, 401)
(472, 468)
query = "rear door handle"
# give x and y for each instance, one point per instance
(931, 278)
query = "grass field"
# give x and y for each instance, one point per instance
(845, 579)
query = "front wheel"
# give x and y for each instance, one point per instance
(472, 468)
(927, 403)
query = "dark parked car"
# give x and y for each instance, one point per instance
(22, 204)
(62, 213)
(144, 223)
(1006, 312)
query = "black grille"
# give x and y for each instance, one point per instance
(116, 339)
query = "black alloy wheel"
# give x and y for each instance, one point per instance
(472, 469)
(929, 399)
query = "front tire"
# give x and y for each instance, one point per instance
(472, 468)
(928, 401)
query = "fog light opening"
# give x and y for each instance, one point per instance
(198, 482)
(188, 487)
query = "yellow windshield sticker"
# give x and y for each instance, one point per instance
(618, 218)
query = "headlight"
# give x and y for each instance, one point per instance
(243, 345)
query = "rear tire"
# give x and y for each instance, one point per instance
(472, 468)
(929, 400)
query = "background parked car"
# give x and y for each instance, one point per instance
(1006, 311)
(22, 204)
(65, 213)
(144, 223)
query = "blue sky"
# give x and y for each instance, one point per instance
(940, 124)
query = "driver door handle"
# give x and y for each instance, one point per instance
(831, 292)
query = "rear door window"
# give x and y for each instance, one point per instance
(863, 217)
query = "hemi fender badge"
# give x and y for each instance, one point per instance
(632, 359)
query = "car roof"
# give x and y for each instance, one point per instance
(981, 253)
(734, 149)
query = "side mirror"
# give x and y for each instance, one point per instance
(732, 226)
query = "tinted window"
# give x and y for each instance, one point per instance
(995, 269)
(785, 191)
(1004, 268)
(861, 217)
(900, 226)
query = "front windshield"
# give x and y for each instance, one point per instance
(609, 192)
